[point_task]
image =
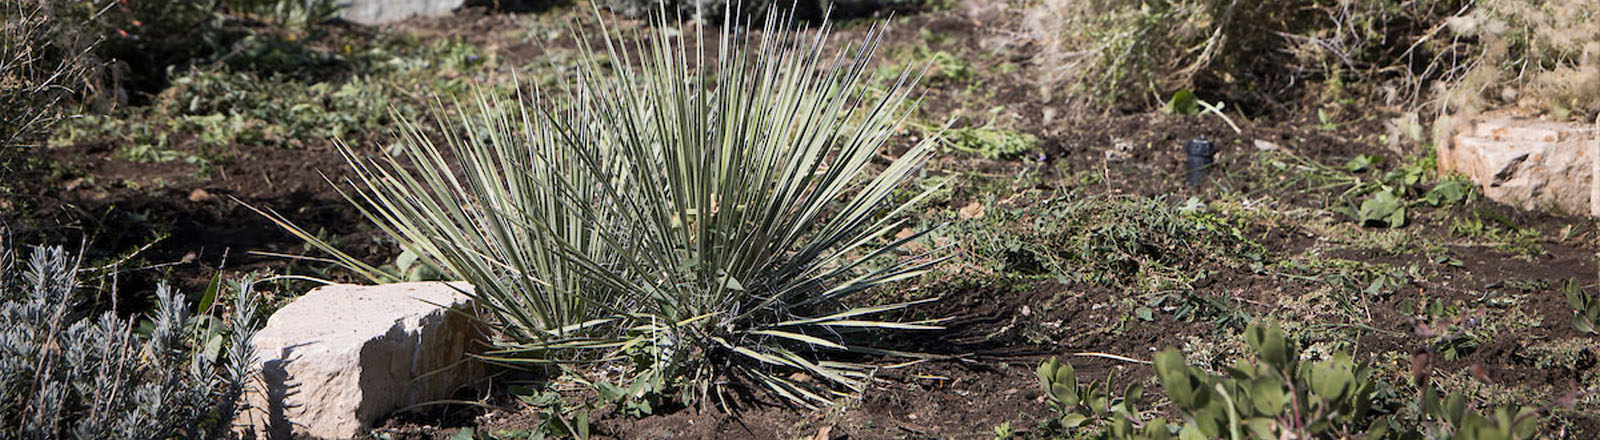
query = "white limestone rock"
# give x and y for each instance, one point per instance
(376, 12)
(1525, 162)
(343, 356)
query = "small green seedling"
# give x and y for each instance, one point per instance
(1184, 102)
(410, 267)
(1003, 431)
(1586, 310)
(1449, 191)
(1383, 209)
(557, 420)
(1092, 405)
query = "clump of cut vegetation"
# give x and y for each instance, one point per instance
(1102, 240)
(144, 42)
(267, 97)
(1361, 189)
(220, 71)
(990, 142)
(701, 224)
(68, 373)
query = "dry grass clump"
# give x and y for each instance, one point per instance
(1534, 54)
(1131, 55)
(39, 69)
(1108, 51)
(1262, 56)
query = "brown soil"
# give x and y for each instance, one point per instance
(187, 224)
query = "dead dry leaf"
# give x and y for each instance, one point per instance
(971, 211)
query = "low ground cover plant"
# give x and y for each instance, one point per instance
(702, 224)
(990, 142)
(1274, 394)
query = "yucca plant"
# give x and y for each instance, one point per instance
(714, 222)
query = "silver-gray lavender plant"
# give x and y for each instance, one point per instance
(65, 373)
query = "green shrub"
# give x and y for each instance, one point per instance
(66, 373)
(140, 40)
(1274, 394)
(706, 223)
